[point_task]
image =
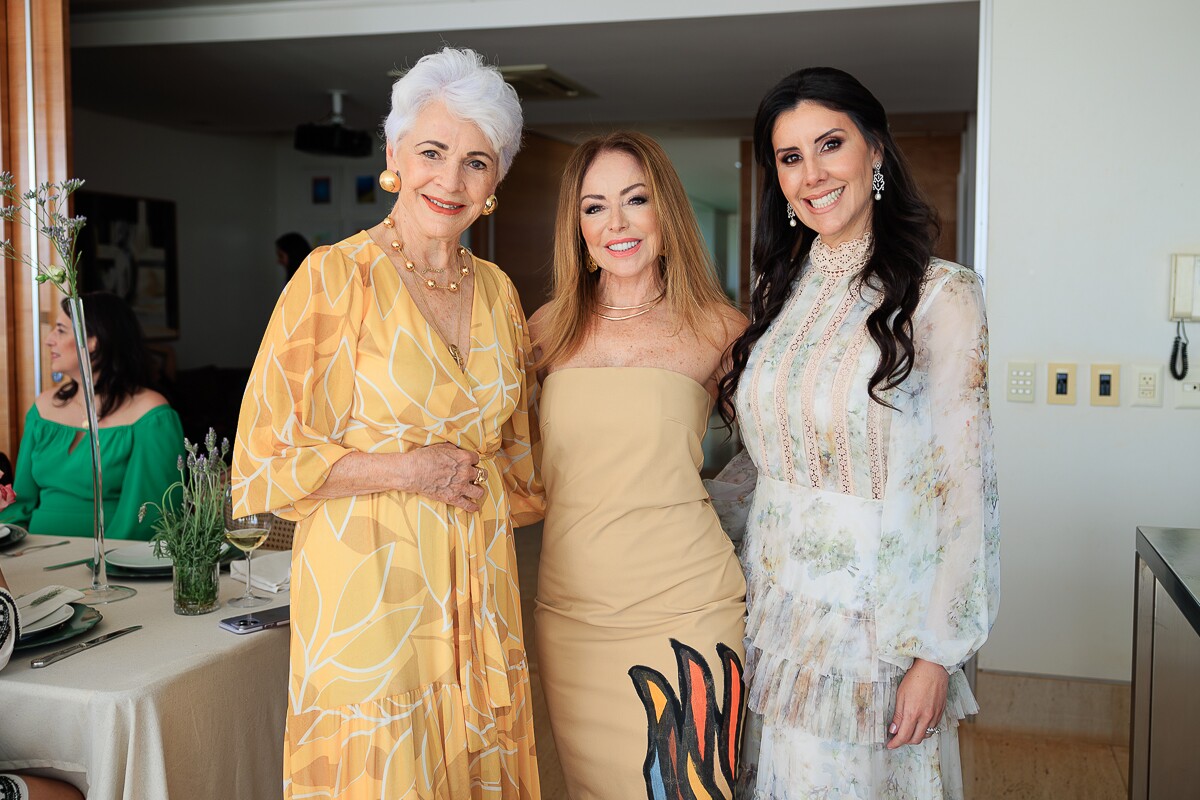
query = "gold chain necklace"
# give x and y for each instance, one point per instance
(431, 320)
(454, 351)
(426, 312)
(645, 307)
(430, 283)
(633, 308)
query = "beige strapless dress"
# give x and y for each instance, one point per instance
(641, 601)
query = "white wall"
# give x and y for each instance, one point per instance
(234, 196)
(346, 213)
(1094, 178)
(223, 189)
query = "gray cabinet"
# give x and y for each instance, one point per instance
(1164, 757)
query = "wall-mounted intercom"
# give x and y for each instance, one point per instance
(1185, 287)
(1184, 307)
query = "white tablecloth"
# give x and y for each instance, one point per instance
(180, 710)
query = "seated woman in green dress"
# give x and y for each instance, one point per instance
(140, 435)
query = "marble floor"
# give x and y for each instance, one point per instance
(997, 765)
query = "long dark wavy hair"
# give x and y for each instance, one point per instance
(120, 363)
(904, 226)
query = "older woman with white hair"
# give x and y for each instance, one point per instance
(387, 415)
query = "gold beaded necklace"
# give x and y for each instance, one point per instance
(430, 283)
(453, 287)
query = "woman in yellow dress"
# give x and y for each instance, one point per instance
(387, 415)
(640, 598)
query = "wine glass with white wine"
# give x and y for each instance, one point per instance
(247, 534)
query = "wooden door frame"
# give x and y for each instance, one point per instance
(35, 146)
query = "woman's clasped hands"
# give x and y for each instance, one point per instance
(447, 473)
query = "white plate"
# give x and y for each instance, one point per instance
(56, 617)
(138, 556)
(8, 530)
(11, 534)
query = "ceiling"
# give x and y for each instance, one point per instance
(101, 6)
(694, 78)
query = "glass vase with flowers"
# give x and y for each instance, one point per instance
(191, 527)
(43, 210)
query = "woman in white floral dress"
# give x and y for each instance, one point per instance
(871, 548)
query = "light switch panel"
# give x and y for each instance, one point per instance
(1060, 384)
(1020, 383)
(1105, 388)
(1187, 394)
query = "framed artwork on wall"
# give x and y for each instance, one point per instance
(322, 190)
(128, 248)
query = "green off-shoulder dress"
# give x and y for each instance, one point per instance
(53, 479)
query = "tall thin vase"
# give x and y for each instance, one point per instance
(100, 592)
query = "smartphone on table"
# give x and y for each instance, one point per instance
(258, 620)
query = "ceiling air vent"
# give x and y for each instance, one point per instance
(539, 82)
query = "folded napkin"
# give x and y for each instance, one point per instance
(42, 603)
(272, 572)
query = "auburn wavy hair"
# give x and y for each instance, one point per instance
(689, 278)
(904, 226)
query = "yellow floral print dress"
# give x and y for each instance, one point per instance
(408, 668)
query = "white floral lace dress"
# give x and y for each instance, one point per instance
(872, 536)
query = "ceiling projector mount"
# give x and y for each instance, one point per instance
(331, 137)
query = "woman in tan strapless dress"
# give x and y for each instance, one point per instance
(641, 601)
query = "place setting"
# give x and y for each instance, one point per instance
(137, 560)
(10, 535)
(52, 614)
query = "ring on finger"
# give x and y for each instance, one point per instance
(932, 731)
(481, 476)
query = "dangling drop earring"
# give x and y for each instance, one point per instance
(877, 181)
(791, 215)
(389, 181)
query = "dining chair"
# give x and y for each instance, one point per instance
(280, 537)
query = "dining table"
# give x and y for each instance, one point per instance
(181, 709)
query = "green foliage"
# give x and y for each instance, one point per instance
(191, 527)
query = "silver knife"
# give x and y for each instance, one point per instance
(59, 655)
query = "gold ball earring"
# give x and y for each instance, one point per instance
(490, 205)
(389, 181)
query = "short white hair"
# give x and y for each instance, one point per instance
(470, 89)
